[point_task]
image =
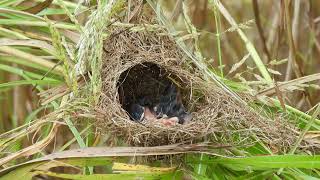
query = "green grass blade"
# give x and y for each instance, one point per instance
(218, 41)
(23, 73)
(13, 22)
(28, 82)
(269, 162)
(250, 47)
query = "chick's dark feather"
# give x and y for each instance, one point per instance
(136, 112)
(170, 105)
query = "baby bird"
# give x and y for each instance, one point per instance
(168, 111)
(141, 110)
(136, 112)
(170, 105)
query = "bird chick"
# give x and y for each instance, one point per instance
(140, 113)
(169, 121)
(170, 105)
(136, 112)
(141, 110)
(149, 115)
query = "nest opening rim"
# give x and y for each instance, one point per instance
(147, 80)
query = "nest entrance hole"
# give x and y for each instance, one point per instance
(146, 80)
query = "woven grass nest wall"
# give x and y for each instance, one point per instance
(131, 59)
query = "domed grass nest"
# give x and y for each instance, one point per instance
(136, 63)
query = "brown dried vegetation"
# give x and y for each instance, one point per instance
(132, 58)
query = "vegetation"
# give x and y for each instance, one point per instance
(266, 49)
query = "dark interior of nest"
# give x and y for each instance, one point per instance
(148, 81)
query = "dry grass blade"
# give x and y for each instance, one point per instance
(57, 92)
(11, 11)
(289, 84)
(39, 7)
(237, 65)
(292, 63)
(33, 148)
(29, 42)
(32, 58)
(15, 134)
(91, 152)
(280, 96)
(132, 151)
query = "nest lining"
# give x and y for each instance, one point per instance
(216, 116)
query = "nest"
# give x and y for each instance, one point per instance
(134, 61)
